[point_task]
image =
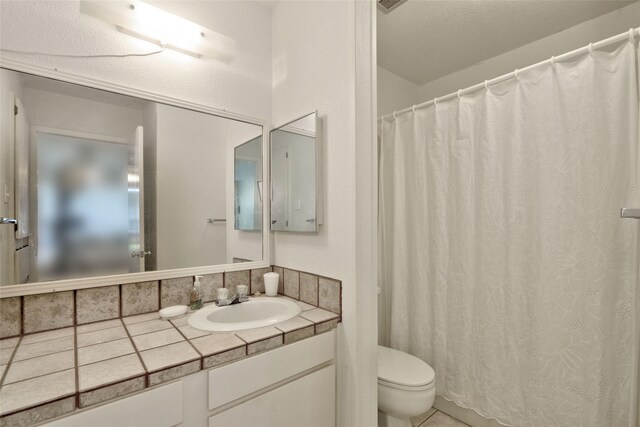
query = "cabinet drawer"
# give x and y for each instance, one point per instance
(247, 376)
(308, 401)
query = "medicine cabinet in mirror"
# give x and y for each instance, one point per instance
(108, 184)
(296, 202)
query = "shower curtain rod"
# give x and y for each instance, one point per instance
(553, 60)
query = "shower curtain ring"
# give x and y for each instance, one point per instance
(590, 48)
(553, 62)
(459, 94)
(486, 85)
(435, 101)
(414, 109)
(516, 74)
(394, 115)
(631, 35)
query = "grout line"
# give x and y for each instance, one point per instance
(135, 348)
(75, 307)
(120, 301)
(21, 315)
(159, 295)
(75, 365)
(10, 361)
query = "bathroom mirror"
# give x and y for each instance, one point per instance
(248, 185)
(295, 176)
(108, 184)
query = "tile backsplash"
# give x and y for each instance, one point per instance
(56, 310)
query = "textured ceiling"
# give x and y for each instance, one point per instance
(423, 40)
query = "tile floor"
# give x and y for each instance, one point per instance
(435, 418)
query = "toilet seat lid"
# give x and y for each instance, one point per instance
(403, 369)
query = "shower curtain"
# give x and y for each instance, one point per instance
(504, 263)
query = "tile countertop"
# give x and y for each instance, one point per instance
(48, 374)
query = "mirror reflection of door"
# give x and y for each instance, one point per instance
(88, 205)
(135, 186)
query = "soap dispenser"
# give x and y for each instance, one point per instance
(195, 297)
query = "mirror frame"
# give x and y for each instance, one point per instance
(319, 174)
(7, 291)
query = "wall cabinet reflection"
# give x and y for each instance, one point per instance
(295, 176)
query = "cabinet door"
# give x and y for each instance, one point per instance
(309, 401)
(159, 407)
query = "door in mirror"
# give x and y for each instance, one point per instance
(295, 176)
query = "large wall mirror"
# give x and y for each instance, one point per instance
(104, 184)
(296, 197)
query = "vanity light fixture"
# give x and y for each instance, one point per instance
(149, 23)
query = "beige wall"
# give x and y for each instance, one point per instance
(394, 92)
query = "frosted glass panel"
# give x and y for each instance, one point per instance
(83, 207)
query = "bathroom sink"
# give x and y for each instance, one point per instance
(255, 313)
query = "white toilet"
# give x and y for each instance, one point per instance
(406, 387)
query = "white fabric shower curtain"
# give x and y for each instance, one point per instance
(504, 263)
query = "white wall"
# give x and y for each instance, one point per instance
(315, 69)
(191, 165)
(575, 37)
(242, 86)
(72, 113)
(394, 92)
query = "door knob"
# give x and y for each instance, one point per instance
(4, 220)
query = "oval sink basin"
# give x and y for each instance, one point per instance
(255, 313)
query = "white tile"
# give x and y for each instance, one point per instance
(103, 335)
(253, 335)
(170, 355)
(36, 391)
(318, 315)
(39, 366)
(440, 419)
(106, 324)
(140, 318)
(157, 339)
(9, 342)
(109, 371)
(48, 335)
(148, 326)
(217, 343)
(104, 351)
(27, 351)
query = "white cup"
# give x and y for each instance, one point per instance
(271, 284)
(222, 293)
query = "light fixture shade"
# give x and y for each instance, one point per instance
(157, 26)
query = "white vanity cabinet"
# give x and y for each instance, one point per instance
(160, 406)
(291, 386)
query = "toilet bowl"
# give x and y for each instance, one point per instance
(406, 387)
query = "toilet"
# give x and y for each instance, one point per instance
(406, 387)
